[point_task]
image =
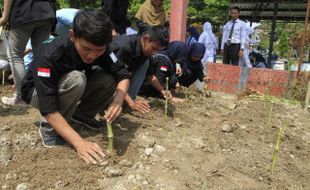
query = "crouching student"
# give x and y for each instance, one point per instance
(134, 51)
(193, 70)
(177, 52)
(63, 83)
(160, 68)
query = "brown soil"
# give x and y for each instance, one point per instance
(218, 142)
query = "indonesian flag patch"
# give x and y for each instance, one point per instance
(44, 72)
(164, 68)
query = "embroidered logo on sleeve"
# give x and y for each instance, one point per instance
(164, 68)
(44, 72)
(113, 57)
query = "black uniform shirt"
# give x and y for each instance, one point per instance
(161, 67)
(24, 11)
(56, 59)
(129, 50)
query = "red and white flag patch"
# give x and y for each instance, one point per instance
(164, 68)
(44, 72)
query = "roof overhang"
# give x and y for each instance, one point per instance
(256, 10)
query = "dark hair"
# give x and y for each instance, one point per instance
(93, 25)
(128, 23)
(158, 34)
(235, 8)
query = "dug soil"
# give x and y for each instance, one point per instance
(217, 142)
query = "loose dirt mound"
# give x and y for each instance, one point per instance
(205, 143)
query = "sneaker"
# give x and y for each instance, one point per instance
(49, 136)
(88, 122)
(13, 101)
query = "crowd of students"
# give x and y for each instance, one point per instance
(88, 64)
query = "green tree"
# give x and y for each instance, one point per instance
(282, 47)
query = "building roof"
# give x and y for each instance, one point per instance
(256, 10)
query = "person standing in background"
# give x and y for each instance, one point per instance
(31, 19)
(151, 13)
(232, 45)
(209, 40)
(191, 36)
(244, 61)
(117, 11)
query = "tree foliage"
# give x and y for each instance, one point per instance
(282, 47)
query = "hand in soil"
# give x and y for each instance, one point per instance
(90, 152)
(141, 106)
(113, 112)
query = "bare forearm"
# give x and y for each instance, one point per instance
(7, 8)
(62, 127)
(156, 84)
(121, 91)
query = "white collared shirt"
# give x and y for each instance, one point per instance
(238, 35)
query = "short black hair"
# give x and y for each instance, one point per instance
(128, 23)
(158, 34)
(235, 8)
(93, 25)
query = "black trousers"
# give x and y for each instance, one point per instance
(231, 54)
(117, 11)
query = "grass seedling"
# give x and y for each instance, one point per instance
(270, 115)
(166, 98)
(110, 136)
(277, 146)
(267, 92)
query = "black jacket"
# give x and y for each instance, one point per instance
(55, 59)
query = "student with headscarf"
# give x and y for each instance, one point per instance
(191, 36)
(244, 61)
(257, 60)
(210, 42)
(150, 13)
(193, 70)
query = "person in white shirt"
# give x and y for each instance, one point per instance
(232, 45)
(244, 61)
(209, 40)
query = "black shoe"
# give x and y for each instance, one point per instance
(49, 136)
(88, 122)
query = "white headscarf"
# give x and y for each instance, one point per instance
(208, 39)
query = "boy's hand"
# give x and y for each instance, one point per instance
(166, 94)
(141, 106)
(114, 110)
(90, 152)
(178, 70)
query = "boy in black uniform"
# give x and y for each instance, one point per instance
(55, 83)
(134, 51)
(160, 68)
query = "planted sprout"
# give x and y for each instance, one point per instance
(166, 98)
(267, 92)
(270, 114)
(277, 146)
(110, 135)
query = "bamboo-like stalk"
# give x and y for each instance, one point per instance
(110, 135)
(166, 100)
(277, 146)
(3, 77)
